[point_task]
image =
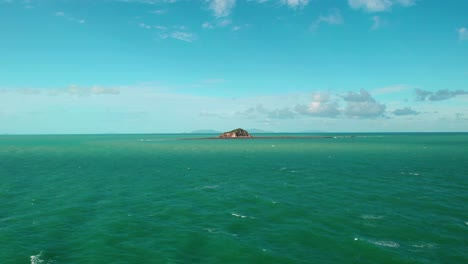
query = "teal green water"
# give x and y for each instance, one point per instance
(375, 198)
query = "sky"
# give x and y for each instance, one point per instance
(175, 66)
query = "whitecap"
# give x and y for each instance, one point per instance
(238, 215)
(36, 259)
(386, 243)
(212, 230)
(424, 245)
(371, 217)
(241, 216)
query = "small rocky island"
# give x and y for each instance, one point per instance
(236, 133)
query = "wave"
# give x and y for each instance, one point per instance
(241, 216)
(36, 259)
(386, 243)
(371, 217)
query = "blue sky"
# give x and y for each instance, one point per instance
(159, 66)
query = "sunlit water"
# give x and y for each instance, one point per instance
(372, 198)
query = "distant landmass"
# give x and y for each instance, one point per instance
(206, 131)
(255, 130)
(312, 131)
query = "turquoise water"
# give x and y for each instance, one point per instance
(372, 198)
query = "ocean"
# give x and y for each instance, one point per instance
(346, 198)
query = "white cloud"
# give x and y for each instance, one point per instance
(178, 32)
(439, 95)
(406, 2)
(295, 3)
(362, 105)
(405, 111)
(69, 18)
(379, 5)
(143, 108)
(143, 25)
(184, 36)
(377, 22)
(160, 27)
(462, 33)
(221, 8)
(149, 2)
(158, 11)
(333, 18)
(207, 25)
(224, 22)
(320, 106)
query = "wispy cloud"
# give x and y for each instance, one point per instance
(377, 22)
(143, 25)
(184, 36)
(462, 33)
(221, 8)
(295, 3)
(223, 23)
(207, 25)
(439, 95)
(70, 90)
(149, 2)
(158, 11)
(175, 32)
(332, 18)
(69, 17)
(379, 5)
(260, 111)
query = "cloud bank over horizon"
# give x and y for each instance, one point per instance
(153, 109)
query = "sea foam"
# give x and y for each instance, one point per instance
(36, 259)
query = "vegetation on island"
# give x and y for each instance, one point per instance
(236, 133)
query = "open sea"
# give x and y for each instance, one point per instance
(351, 198)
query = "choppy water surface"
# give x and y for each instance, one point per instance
(371, 198)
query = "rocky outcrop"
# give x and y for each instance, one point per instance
(236, 133)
